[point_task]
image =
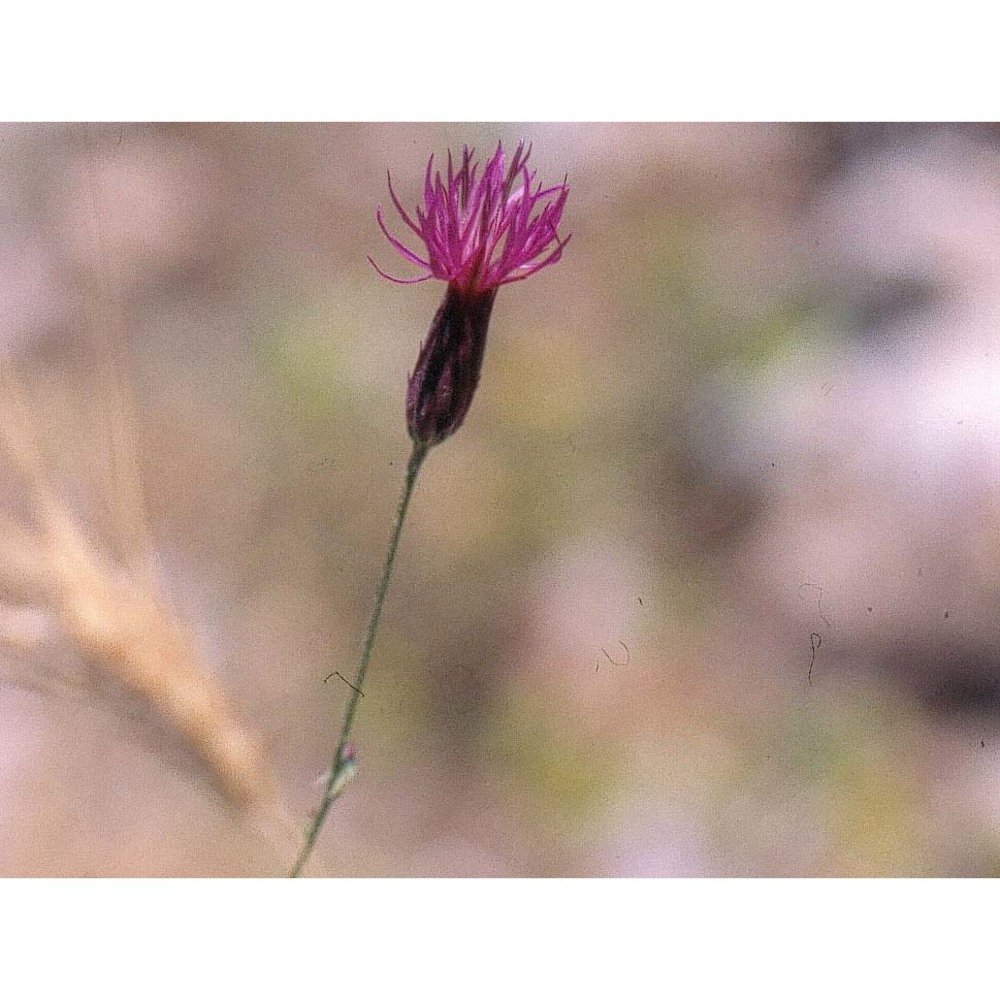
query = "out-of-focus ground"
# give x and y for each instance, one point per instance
(708, 583)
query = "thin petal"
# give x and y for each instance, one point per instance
(408, 254)
(401, 210)
(399, 281)
(530, 269)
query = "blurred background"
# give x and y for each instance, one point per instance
(707, 584)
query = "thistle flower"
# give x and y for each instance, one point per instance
(479, 233)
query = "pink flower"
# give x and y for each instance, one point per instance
(478, 233)
(481, 233)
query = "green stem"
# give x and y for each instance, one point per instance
(339, 765)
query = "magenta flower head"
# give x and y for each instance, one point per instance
(478, 232)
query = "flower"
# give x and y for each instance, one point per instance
(478, 233)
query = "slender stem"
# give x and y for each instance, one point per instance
(340, 765)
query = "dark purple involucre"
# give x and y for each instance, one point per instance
(442, 385)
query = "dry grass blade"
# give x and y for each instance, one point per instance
(119, 621)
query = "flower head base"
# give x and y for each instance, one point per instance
(481, 232)
(442, 385)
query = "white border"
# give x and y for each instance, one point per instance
(399, 60)
(498, 938)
